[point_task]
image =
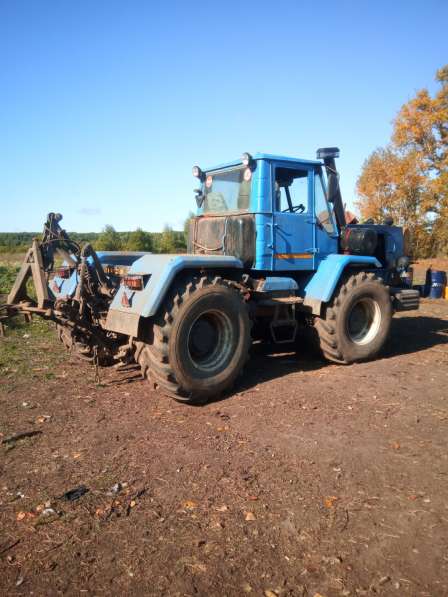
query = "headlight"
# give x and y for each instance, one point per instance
(197, 173)
(246, 158)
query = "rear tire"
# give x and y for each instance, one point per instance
(201, 339)
(356, 322)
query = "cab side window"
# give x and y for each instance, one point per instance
(291, 190)
(324, 214)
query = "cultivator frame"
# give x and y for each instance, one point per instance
(73, 314)
(18, 300)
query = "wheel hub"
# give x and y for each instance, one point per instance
(203, 338)
(364, 321)
(210, 341)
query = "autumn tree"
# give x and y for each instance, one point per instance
(409, 179)
(394, 185)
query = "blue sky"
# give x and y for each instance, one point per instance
(106, 105)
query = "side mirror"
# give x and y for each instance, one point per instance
(199, 197)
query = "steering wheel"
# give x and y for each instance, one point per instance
(297, 208)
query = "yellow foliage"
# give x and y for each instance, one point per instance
(408, 180)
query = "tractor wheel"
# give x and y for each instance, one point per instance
(82, 349)
(356, 322)
(201, 339)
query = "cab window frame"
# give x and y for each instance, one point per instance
(234, 168)
(319, 179)
(295, 167)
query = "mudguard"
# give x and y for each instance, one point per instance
(159, 272)
(323, 282)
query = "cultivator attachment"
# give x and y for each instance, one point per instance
(38, 266)
(32, 268)
(18, 300)
(78, 310)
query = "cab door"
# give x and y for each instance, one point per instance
(293, 219)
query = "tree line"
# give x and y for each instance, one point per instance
(167, 241)
(408, 179)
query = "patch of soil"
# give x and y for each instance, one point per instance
(309, 479)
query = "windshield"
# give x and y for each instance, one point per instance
(227, 190)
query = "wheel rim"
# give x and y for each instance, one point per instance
(364, 321)
(210, 341)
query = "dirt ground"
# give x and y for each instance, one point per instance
(310, 479)
(420, 267)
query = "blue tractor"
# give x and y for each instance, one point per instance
(270, 257)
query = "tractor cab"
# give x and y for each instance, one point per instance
(272, 212)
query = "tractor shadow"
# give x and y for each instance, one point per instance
(414, 334)
(408, 335)
(269, 361)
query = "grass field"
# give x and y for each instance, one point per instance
(25, 346)
(11, 259)
(9, 266)
(7, 277)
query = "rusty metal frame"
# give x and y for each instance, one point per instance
(32, 267)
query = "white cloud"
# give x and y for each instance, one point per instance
(89, 211)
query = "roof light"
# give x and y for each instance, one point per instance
(246, 158)
(197, 173)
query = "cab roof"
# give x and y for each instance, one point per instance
(266, 156)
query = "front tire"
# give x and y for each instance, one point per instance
(201, 339)
(356, 323)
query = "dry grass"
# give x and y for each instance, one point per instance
(11, 258)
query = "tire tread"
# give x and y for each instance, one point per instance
(326, 326)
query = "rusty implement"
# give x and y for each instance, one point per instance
(37, 267)
(18, 301)
(78, 311)
(32, 267)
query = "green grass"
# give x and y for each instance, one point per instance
(8, 274)
(28, 351)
